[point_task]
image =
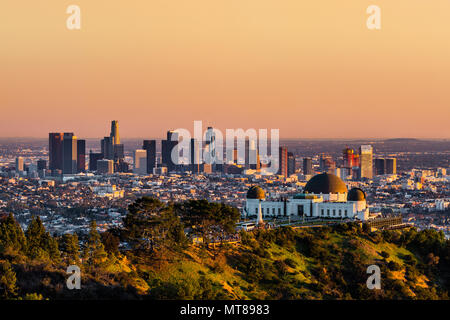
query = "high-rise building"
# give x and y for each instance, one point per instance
(41, 164)
(69, 153)
(252, 155)
(107, 148)
(348, 158)
(380, 166)
(194, 151)
(55, 147)
(283, 161)
(140, 162)
(115, 138)
(167, 146)
(105, 166)
(291, 163)
(150, 147)
(111, 147)
(366, 166)
(391, 166)
(307, 166)
(81, 155)
(19, 164)
(93, 158)
(327, 164)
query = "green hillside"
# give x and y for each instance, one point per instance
(284, 263)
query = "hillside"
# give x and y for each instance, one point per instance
(285, 263)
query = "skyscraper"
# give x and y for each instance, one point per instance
(115, 138)
(105, 166)
(283, 161)
(55, 154)
(107, 148)
(307, 166)
(69, 153)
(366, 154)
(41, 164)
(348, 158)
(391, 166)
(150, 147)
(291, 163)
(81, 155)
(195, 156)
(167, 146)
(380, 166)
(93, 158)
(19, 164)
(140, 162)
(111, 147)
(327, 164)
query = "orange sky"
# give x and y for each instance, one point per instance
(310, 68)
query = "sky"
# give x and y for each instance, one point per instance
(311, 69)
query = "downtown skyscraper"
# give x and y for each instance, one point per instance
(366, 161)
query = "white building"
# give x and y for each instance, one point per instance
(325, 196)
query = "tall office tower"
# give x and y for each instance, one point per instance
(69, 153)
(81, 155)
(194, 153)
(348, 158)
(150, 147)
(356, 160)
(19, 164)
(166, 151)
(93, 158)
(366, 154)
(307, 166)
(115, 138)
(252, 160)
(291, 163)
(380, 166)
(107, 148)
(391, 166)
(327, 164)
(105, 166)
(140, 162)
(283, 161)
(41, 165)
(119, 152)
(55, 150)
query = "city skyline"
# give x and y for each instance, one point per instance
(312, 70)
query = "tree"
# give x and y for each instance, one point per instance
(94, 252)
(70, 247)
(150, 225)
(11, 234)
(212, 221)
(110, 242)
(8, 288)
(40, 244)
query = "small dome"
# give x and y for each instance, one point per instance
(255, 192)
(356, 194)
(325, 183)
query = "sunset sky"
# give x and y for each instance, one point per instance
(309, 68)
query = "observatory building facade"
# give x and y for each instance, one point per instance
(325, 196)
